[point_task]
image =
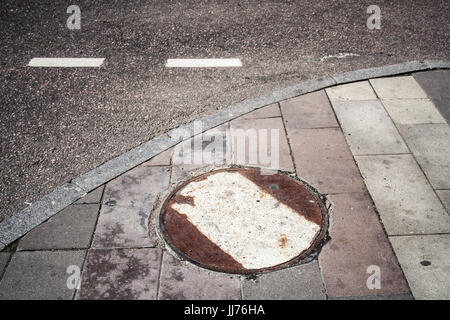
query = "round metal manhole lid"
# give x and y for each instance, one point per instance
(238, 220)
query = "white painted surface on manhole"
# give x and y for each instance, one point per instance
(252, 226)
(237, 220)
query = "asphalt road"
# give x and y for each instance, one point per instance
(57, 123)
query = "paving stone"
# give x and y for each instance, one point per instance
(179, 282)
(312, 110)
(95, 196)
(256, 134)
(302, 282)
(368, 128)
(351, 91)
(323, 159)
(270, 111)
(430, 144)
(437, 86)
(72, 228)
(443, 105)
(413, 111)
(406, 202)
(128, 202)
(424, 259)
(398, 88)
(162, 159)
(436, 83)
(211, 148)
(4, 258)
(444, 195)
(357, 242)
(40, 275)
(120, 274)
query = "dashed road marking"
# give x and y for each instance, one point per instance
(203, 63)
(66, 62)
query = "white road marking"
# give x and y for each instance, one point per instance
(340, 55)
(66, 62)
(252, 226)
(203, 63)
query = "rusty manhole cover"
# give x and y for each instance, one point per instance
(239, 221)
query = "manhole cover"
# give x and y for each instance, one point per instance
(239, 221)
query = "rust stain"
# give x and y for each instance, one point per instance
(194, 244)
(287, 191)
(282, 242)
(179, 198)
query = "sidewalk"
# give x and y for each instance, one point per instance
(378, 148)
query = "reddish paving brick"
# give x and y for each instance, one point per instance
(179, 282)
(211, 148)
(119, 274)
(312, 110)
(270, 111)
(323, 159)
(128, 202)
(251, 132)
(357, 242)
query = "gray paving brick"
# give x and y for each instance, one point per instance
(404, 87)
(413, 111)
(425, 262)
(351, 92)
(120, 274)
(323, 159)
(311, 110)
(179, 282)
(444, 195)
(40, 275)
(72, 228)
(368, 128)
(302, 282)
(128, 202)
(406, 202)
(430, 144)
(95, 196)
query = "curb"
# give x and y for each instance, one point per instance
(61, 197)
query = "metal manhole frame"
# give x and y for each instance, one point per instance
(305, 256)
